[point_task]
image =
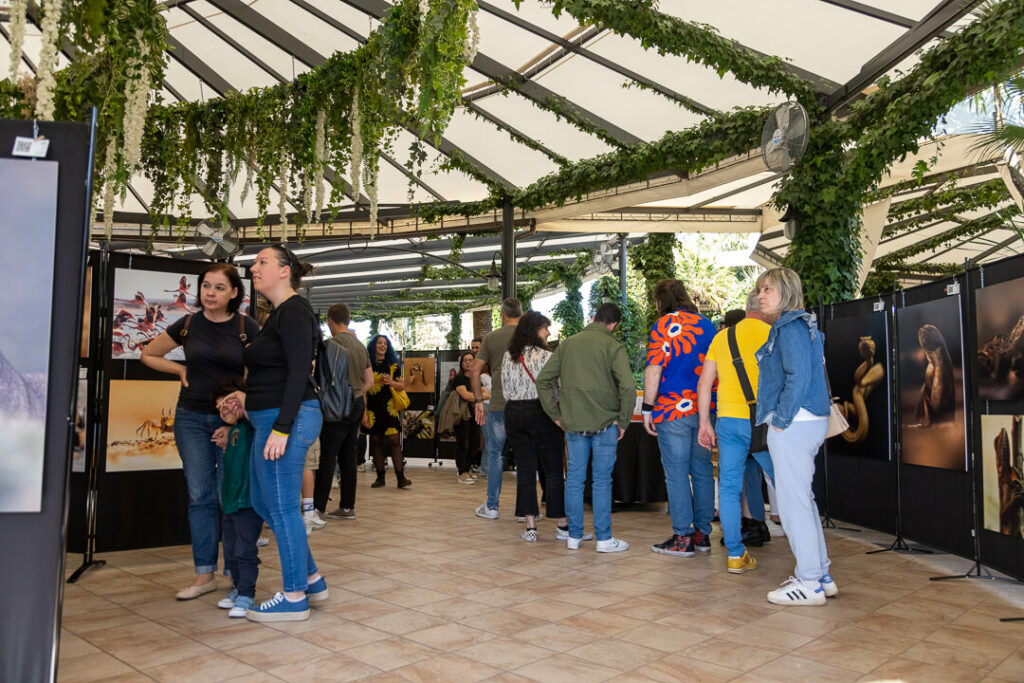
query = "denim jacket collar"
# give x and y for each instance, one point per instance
(785, 319)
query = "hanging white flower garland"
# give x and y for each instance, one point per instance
(136, 93)
(319, 154)
(472, 35)
(109, 170)
(48, 60)
(282, 203)
(370, 180)
(355, 161)
(18, 12)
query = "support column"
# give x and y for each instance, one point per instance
(508, 250)
(481, 323)
(622, 271)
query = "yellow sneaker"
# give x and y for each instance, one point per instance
(738, 565)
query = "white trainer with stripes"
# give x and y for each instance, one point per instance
(796, 592)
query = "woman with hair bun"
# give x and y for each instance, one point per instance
(285, 415)
(216, 336)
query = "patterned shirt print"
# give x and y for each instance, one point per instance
(678, 343)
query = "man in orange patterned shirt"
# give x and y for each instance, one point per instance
(675, 356)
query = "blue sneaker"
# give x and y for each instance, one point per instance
(243, 604)
(317, 590)
(828, 584)
(229, 601)
(279, 608)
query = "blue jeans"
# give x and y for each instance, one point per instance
(793, 450)
(603, 447)
(494, 444)
(241, 558)
(276, 489)
(684, 459)
(753, 478)
(201, 461)
(733, 466)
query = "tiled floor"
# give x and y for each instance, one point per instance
(422, 590)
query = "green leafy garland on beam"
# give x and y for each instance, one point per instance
(655, 260)
(828, 187)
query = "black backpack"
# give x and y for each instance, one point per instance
(330, 378)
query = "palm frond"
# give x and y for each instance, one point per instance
(997, 139)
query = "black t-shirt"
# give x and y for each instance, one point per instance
(462, 381)
(280, 361)
(213, 356)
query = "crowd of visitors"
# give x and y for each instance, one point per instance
(256, 446)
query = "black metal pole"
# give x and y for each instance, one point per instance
(622, 271)
(508, 250)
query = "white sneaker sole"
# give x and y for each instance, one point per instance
(619, 547)
(253, 615)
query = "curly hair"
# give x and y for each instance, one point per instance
(390, 357)
(526, 334)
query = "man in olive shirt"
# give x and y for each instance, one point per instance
(492, 419)
(594, 405)
(338, 439)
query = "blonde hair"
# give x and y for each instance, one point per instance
(787, 282)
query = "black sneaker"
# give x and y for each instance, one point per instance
(675, 545)
(701, 541)
(751, 532)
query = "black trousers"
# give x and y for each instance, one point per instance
(338, 448)
(239, 532)
(467, 438)
(535, 439)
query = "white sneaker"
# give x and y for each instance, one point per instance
(561, 535)
(612, 545)
(262, 541)
(309, 527)
(573, 543)
(796, 592)
(828, 584)
(486, 512)
(314, 519)
(530, 535)
(538, 517)
(466, 478)
(775, 529)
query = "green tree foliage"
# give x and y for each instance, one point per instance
(569, 311)
(631, 331)
(454, 336)
(713, 288)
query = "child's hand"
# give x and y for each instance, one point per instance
(220, 437)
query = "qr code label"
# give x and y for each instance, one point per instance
(23, 146)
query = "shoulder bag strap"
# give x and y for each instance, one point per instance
(529, 374)
(184, 329)
(741, 373)
(242, 336)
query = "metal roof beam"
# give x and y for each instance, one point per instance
(266, 28)
(933, 24)
(997, 247)
(199, 68)
(217, 31)
(873, 12)
(594, 57)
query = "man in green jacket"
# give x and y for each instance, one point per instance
(594, 404)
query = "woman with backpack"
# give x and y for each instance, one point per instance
(213, 340)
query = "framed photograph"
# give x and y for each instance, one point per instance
(140, 426)
(1000, 326)
(419, 374)
(29, 226)
(932, 422)
(81, 417)
(145, 303)
(857, 356)
(418, 424)
(1002, 474)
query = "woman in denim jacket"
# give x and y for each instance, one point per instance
(792, 399)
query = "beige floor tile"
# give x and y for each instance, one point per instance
(1011, 668)
(677, 668)
(449, 637)
(209, 667)
(616, 654)
(326, 669)
(908, 669)
(601, 623)
(391, 653)
(503, 622)
(768, 638)
(844, 655)
(557, 637)
(72, 646)
(664, 638)
(448, 667)
(282, 650)
(97, 666)
(567, 670)
(505, 653)
(791, 668)
(343, 636)
(728, 654)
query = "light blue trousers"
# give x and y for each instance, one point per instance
(793, 451)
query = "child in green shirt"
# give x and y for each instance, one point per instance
(241, 526)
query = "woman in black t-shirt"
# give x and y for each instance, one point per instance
(213, 340)
(467, 432)
(281, 405)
